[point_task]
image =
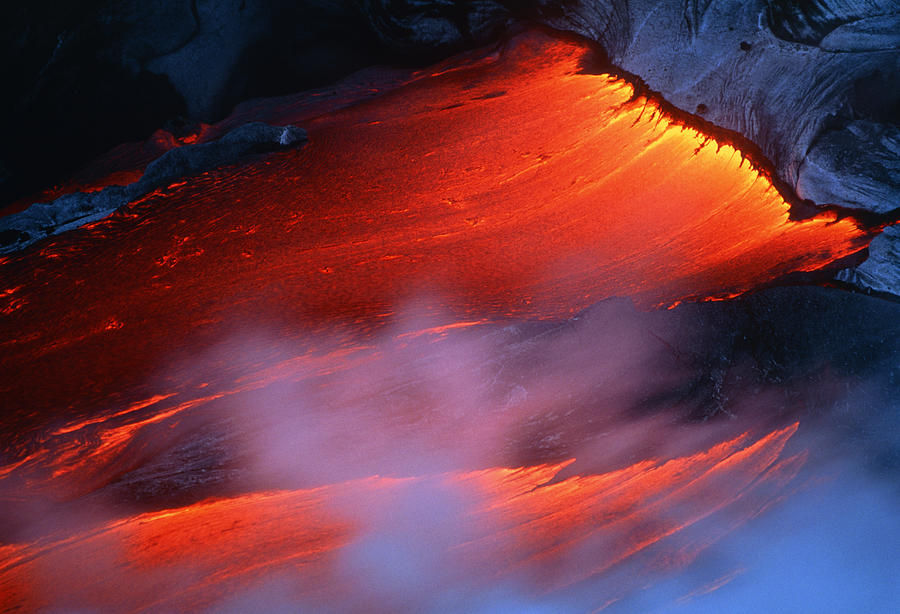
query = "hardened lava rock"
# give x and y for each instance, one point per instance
(40, 220)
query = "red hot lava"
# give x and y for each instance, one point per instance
(487, 527)
(516, 186)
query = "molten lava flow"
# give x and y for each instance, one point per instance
(514, 187)
(511, 185)
(477, 528)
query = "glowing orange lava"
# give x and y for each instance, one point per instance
(513, 187)
(507, 523)
(505, 185)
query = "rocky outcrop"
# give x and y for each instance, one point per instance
(435, 24)
(857, 166)
(812, 21)
(881, 270)
(72, 210)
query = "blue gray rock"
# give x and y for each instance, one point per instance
(881, 270)
(857, 166)
(42, 220)
(206, 63)
(424, 24)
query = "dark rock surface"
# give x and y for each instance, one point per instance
(811, 21)
(436, 24)
(72, 210)
(881, 271)
(84, 77)
(858, 166)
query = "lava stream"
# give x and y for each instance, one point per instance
(515, 187)
(469, 531)
(500, 188)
